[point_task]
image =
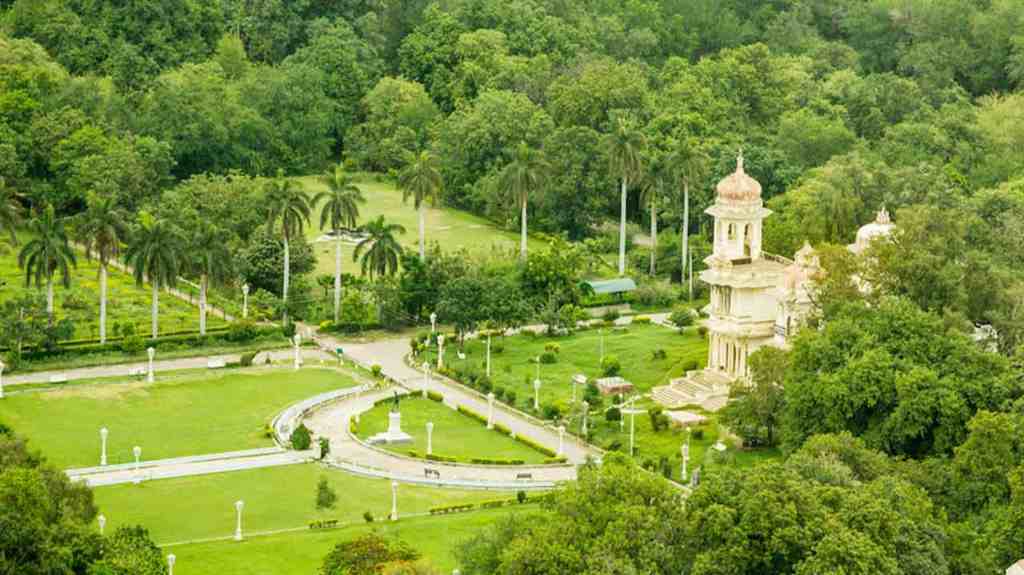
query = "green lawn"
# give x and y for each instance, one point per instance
(202, 412)
(514, 368)
(451, 228)
(275, 498)
(302, 553)
(126, 303)
(455, 435)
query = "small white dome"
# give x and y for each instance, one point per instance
(881, 227)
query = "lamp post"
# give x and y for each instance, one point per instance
(686, 458)
(586, 410)
(426, 377)
(394, 500)
(2, 366)
(433, 322)
(601, 360)
(170, 563)
(297, 340)
(488, 356)
(149, 374)
(536, 394)
(239, 505)
(245, 301)
(440, 352)
(137, 451)
(561, 440)
(490, 410)
(430, 438)
(102, 520)
(103, 446)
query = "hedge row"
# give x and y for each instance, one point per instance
(325, 524)
(488, 461)
(491, 504)
(452, 509)
(530, 443)
(435, 396)
(475, 460)
(467, 411)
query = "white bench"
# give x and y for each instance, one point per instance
(215, 363)
(137, 371)
(59, 378)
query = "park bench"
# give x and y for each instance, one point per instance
(524, 476)
(215, 363)
(59, 378)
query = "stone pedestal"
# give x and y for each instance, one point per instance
(394, 434)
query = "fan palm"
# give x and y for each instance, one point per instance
(624, 147)
(421, 180)
(155, 255)
(341, 210)
(518, 179)
(209, 258)
(47, 253)
(379, 251)
(688, 164)
(287, 202)
(10, 211)
(101, 228)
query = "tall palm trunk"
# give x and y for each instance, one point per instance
(103, 302)
(622, 231)
(284, 291)
(423, 226)
(686, 233)
(522, 237)
(654, 233)
(49, 300)
(202, 304)
(155, 311)
(337, 278)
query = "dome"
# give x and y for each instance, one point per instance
(738, 186)
(881, 227)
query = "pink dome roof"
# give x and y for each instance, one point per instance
(738, 186)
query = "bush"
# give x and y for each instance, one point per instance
(325, 447)
(555, 460)
(552, 347)
(441, 458)
(510, 397)
(466, 411)
(613, 414)
(551, 411)
(132, 344)
(614, 445)
(530, 443)
(499, 393)
(246, 359)
(502, 429)
(521, 496)
(697, 433)
(301, 438)
(435, 396)
(611, 315)
(497, 348)
(610, 366)
(642, 320)
(681, 317)
(375, 369)
(288, 329)
(655, 295)
(367, 517)
(690, 365)
(659, 420)
(703, 331)
(242, 331)
(484, 384)
(659, 354)
(548, 357)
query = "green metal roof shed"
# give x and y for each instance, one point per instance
(618, 285)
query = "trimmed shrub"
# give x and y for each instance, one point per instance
(530, 443)
(499, 393)
(301, 438)
(611, 315)
(452, 509)
(484, 384)
(367, 517)
(502, 429)
(703, 331)
(555, 460)
(697, 433)
(552, 347)
(441, 458)
(489, 461)
(550, 411)
(435, 396)
(610, 366)
(521, 496)
(132, 344)
(613, 414)
(466, 411)
(241, 331)
(510, 397)
(376, 370)
(690, 365)
(548, 357)
(659, 354)
(681, 317)
(642, 320)
(246, 359)
(659, 420)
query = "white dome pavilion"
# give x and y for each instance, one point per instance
(881, 227)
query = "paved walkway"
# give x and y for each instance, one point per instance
(135, 368)
(187, 466)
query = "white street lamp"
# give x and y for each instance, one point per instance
(686, 458)
(239, 505)
(426, 377)
(149, 374)
(586, 409)
(137, 451)
(561, 440)
(440, 352)
(297, 340)
(245, 301)
(430, 438)
(170, 563)
(536, 394)
(488, 355)
(433, 322)
(490, 410)
(102, 520)
(103, 446)
(394, 500)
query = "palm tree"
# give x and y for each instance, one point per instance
(517, 179)
(47, 253)
(652, 188)
(341, 210)
(102, 229)
(154, 253)
(382, 250)
(689, 165)
(209, 257)
(624, 147)
(421, 179)
(287, 202)
(10, 210)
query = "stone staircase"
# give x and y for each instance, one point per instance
(707, 388)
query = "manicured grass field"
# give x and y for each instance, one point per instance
(514, 368)
(302, 553)
(198, 413)
(126, 302)
(453, 229)
(455, 435)
(202, 507)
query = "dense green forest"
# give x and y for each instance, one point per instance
(904, 437)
